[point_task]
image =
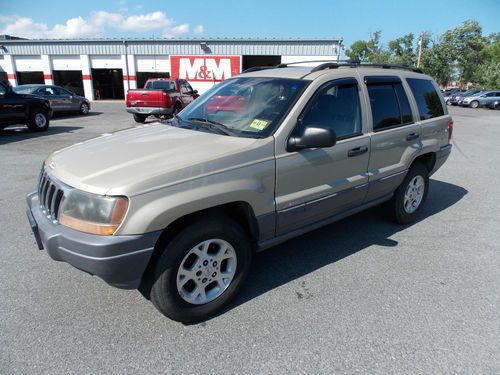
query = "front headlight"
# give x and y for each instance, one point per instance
(90, 213)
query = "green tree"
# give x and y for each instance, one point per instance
(488, 75)
(437, 62)
(465, 44)
(368, 51)
(402, 50)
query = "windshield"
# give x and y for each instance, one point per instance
(248, 107)
(25, 89)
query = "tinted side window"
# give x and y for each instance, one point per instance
(428, 101)
(336, 106)
(390, 106)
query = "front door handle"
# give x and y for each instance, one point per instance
(412, 136)
(357, 151)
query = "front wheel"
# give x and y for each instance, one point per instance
(201, 270)
(38, 120)
(410, 196)
(84, 109)
(474, 104)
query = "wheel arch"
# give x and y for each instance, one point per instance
(239, 211)
(428, 160)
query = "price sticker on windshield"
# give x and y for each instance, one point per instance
(259, 124)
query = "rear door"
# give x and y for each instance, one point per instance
(314, 184)
(395, 136)
(432, 113)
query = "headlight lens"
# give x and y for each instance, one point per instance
(90, 213)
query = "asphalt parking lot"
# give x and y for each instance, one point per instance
(359, 296)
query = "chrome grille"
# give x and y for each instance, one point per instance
(49, 195)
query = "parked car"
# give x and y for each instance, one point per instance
(455, 97)
(484, 98)
(447, 96)
(179, 208)
(160, 97)
(61, 99)
(31, 110)
(494, 105)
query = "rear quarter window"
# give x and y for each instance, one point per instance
(428, 100)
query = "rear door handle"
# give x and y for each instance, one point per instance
(412, 136)
(357, 151)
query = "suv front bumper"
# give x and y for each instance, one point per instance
(118, 260)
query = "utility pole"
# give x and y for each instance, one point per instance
(420, 43)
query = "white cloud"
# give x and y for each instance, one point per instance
(199, 29)
(96, 25)
(146, 22)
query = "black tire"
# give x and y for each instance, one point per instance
(177, 109)
(38, 120)
(395, 208)
(164, 292)
(474, 104)
(84, 108)
(140, 118)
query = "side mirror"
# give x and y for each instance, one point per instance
(195, 92)
(312, 136)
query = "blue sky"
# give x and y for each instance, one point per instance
(351, 20)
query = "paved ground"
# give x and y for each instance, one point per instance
(359, 296)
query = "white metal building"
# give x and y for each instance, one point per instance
(107, 68)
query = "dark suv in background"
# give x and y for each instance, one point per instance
(30, 110)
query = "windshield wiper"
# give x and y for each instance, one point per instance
(213, 125)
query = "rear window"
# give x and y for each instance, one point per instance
(390, 106)
(161, 85)
(428, 101)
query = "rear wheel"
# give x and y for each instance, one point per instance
(201, 269)
(410, 196)
(38, 120)
(140, 118)
(474, 104)
(177, 109)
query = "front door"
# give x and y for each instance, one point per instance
(186, 92)
(314, 184)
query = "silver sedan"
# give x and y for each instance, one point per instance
(61, 100)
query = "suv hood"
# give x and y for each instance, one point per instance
(132, 161)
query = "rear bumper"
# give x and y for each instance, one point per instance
(118, 260)
(150, 110)
(441, 157)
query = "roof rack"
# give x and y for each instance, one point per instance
(357, 64)
(329, 64)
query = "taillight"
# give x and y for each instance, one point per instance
(450, 129)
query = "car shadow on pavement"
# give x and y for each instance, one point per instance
(58, 116)
(314, 250)
(21, 133)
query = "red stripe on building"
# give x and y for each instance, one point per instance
(11, 76)
(129, 78)
(86, 76)
(47, 76)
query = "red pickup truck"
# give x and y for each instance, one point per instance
(160, 97)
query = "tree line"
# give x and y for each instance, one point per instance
(463, 54)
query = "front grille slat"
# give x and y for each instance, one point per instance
(50, 195)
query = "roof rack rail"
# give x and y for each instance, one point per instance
(257, 68)
(356, 64)
(333, 64)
